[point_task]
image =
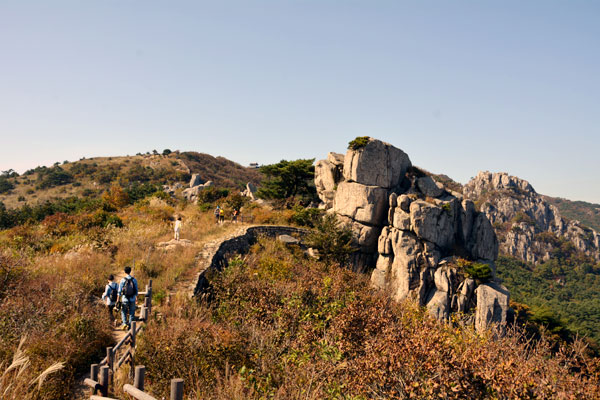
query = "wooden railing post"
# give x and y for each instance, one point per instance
(94, 368)
(133, 323)
(104, 374)
(143, 313)
(138, 380)
(176, 389)
(148, 305)
(110, 358)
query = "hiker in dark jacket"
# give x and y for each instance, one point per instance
(128, 290)
(110, 296)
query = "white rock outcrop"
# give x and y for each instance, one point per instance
(413, 234)
(191, 193)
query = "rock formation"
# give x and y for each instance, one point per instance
(196, 185)
(419, 237)
(250, 191)
(528, 227)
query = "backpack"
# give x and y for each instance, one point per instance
(114, 293)
(129, 288)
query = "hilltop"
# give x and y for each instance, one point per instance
(89, 178)
(587, 213)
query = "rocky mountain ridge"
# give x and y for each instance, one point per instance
(527, 225)
(423, 241)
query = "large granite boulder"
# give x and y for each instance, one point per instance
(250, 191)
(429, 187)
(492, 306)
(432, 223)
(365, 204)
(376, 164)
(483, 243)
(195, 180)
(328, 173)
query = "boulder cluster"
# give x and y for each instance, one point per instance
(527, 225)
(196, 185)
(415, 236)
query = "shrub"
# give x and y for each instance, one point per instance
(333, 241)
(358, 143)
(212, 194)
(101, 218)
(52, 177)
(288, 179)
(236, 201)
(480, 272)
(116, 197)
(522, 217)
(304, 216)
(5, 185)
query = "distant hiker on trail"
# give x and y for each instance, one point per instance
(177, 227)
(221, 215)
(128, 289)
(110, 296)
(217, 214)
(234, 216)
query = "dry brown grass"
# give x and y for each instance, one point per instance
(59, 270)
(283, 326)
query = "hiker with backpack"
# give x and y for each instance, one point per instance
(128, 290)
(217, 213)
(110, 296)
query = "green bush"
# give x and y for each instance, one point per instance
(333, 241)
(212, 194)
(288, 179)
(5, 185)
(480, 272)
(52, 177)
(305, 216)
(358, 143)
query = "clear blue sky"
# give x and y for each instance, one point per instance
(461, 86)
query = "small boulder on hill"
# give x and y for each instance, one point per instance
(250, 191)
(191, 193)
(173, 244)
(413, 234)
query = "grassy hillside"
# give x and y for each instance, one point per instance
(284, 326)
(587, 213)
(89, 178)
(53, 273)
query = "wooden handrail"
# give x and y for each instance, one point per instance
(137, 393)
(100, 374)
(120, 343)
(95, 385)
(123, 358)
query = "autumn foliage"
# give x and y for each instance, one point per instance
(282, 325)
